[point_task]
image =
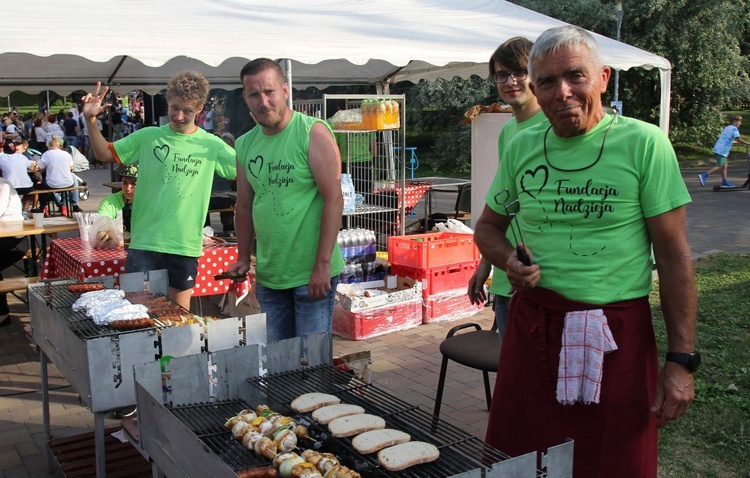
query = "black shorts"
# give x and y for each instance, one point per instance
(181, 269)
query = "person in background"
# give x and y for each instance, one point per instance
(10, 130)
(208, 118)
(176, 165)
(70, 125)
(40, 135)
(16, 167)
(723, 146)
(595, 192)
(220, 201)
(53, 128)
(10, 210)
(289, 196)
(357, 150)
(508, 70)
(28, 126)
(122, 200)
(57, 166)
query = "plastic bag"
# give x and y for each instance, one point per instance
(454, 225)
(106, 233)
(347, 119)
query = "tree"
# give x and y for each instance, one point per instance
(703, 40)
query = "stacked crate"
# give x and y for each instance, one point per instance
(444, 262)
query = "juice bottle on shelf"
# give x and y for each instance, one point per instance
(381, 114)
(367, 116)
(396, 123)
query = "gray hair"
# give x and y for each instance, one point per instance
(567, 36)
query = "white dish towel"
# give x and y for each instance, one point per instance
(586, 338)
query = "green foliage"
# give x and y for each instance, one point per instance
(712, 439)
(435, 110)
(704, 41)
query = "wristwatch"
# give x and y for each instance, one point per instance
(692, 360)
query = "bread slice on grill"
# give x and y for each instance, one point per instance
(324, 415)
(402, 456)
(312, 401)
(355, 424)
(374, 440)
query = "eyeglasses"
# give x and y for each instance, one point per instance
(502, 76)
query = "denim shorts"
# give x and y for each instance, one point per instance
(291, 313)
(181, 269)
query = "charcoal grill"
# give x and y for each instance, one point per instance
(183, 432)
(98, 360)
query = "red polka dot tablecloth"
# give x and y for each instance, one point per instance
(410, 197)
(72, 257)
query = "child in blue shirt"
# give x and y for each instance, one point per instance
(721, 150)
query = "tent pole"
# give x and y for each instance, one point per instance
(49, 106)
(288, 69)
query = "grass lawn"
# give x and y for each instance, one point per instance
(713, 439)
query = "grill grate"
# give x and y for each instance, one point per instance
(459, 451)
(58, 297)
(206, 421)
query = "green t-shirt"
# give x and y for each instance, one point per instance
(175, 174)
(583, 218)
(355, 147)
(111, 205)
(287, 208)
(500, 284)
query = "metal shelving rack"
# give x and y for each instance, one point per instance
(376, 159)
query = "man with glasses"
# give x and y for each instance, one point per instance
(595, 192)
(508, 68)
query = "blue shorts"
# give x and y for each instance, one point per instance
(181, 269)
(721, 160)
(291, 312)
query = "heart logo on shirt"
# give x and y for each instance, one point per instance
(161, 152)
(502, 197)
(254, 166)
(532, 182)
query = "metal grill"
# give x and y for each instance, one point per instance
(57, 297)
(206, 421)
(459, 451)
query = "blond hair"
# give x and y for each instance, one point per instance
(55, 142)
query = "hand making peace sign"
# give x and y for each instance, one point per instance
(92, 103)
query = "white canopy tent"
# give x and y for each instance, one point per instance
(140, 44)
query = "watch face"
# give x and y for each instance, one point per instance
(695, 361)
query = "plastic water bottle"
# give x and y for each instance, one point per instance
(347, 191)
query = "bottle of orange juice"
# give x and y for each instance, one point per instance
(381, 114)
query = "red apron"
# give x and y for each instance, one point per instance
(614, 438)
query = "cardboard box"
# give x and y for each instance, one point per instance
(446, 306)
(377, 320)
(379, 295)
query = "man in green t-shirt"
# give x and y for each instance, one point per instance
(592, 194)
(289, 198)
(508, 70)
(176, 162)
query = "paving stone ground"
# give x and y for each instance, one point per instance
(405, 363)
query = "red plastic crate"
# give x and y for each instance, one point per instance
(438, 279)
(377, 321)
(450, 305)
(432, 250)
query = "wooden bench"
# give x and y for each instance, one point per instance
(226, 209)
(67, 198)
(15, 285)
